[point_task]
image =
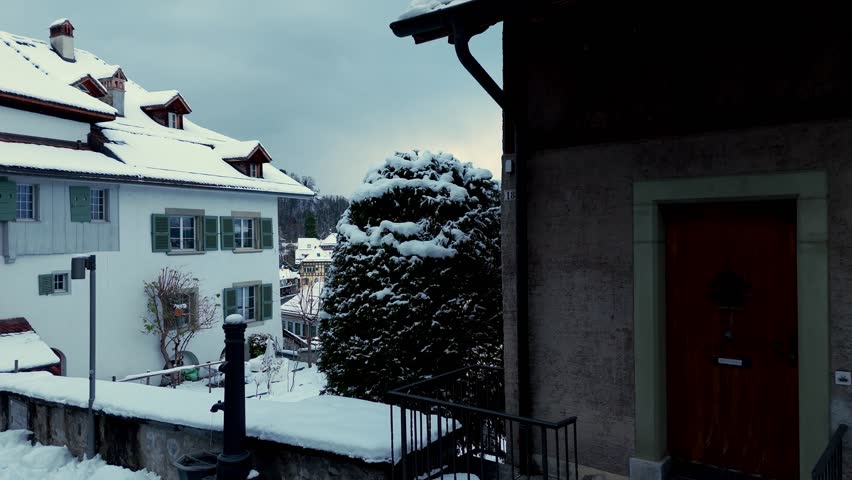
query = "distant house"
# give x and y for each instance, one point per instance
(289, 281)
(329, 242)
(22, 350)
(299, 315)
(314, 257)
(304, 246)
(91, 162)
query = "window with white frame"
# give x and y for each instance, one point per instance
(182, 233)
(254, 170)
(60, 283)
(25, 202)
(183, 310)
(244, 236)
(99, 205)
(173, 120)
(247, 302)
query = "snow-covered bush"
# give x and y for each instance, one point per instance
(257, 344)
(414, 286)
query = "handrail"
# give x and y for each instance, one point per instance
(830, 463)
(140, 376)
(398, 393)
(484, 411)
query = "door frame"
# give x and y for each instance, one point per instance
(649, 317)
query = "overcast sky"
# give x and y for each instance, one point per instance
(324, 84)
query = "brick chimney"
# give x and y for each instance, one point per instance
(115, 89)
(62, 38)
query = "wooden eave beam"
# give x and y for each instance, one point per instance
(53, 109)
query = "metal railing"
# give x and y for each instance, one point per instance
(455, 424)
(830, 464)
(211, 373)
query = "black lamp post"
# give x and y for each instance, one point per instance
(79, 265)
(234, 463)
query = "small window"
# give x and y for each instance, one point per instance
(289, 326)
(298, 329)
(314, 331)
(60, 283)
(182, 233)
(173, 120)
(254, 170)
(26, 202)
(247, 303)
(184, 309)
(244, 233)
(99, 205)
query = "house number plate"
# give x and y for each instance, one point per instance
(732, 362)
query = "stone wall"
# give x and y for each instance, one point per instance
(137, 443)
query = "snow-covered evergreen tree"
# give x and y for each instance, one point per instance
(414, 287)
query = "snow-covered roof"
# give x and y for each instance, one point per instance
(58, 22)
(345, 426)
(162, 97)
(21, 343)
(422, 7)
(287, 274)
(143, 149)
(232, 150)
(307, 243)
(25, 74)
(306, 302)
(331, 239)
(316, 254)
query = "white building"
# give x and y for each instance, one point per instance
(304, 246)
(300, 314)
(90, 162)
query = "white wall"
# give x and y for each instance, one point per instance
(21, 122)
(63, 320)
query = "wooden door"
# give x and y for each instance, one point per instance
(731, 336)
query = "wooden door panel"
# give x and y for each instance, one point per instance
(731, 293)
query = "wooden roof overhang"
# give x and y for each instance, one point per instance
(112, 178)
(93, 87)
(257, 155)
(176, 104)
(53, 109)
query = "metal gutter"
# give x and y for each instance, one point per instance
(137, 181)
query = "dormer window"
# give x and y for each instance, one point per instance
(247, 157)
(166, 108)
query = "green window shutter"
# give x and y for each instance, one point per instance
(211, 233)
(229, 301)
(266, 239)
(81, 204)
(45, 284)
(266, 301)
(8, 195)
(159, 233)
(227, 233)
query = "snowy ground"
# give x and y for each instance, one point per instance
(306, 383)
(345, 426)
(21, 461)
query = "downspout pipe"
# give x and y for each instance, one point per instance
(461, 39)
